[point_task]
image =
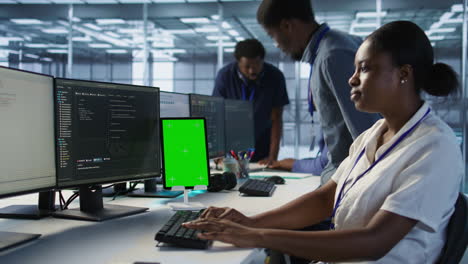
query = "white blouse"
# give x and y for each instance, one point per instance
(419, 179)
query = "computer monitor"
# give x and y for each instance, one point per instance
(174, 104)
(106, 133)
(239, 125)
(212, 109)
(184, 155)
(27, 152)
(171, 105)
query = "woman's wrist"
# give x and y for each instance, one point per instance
(260, 237)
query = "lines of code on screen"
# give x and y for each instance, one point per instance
(106, 132)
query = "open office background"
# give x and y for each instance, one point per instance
(178, 45)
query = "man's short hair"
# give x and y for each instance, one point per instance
(272, 12)
(249, 48)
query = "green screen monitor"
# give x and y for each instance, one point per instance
(184, 152)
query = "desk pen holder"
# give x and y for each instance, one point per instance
(231, 165)
(243, 168)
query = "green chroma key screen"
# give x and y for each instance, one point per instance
(185, 157)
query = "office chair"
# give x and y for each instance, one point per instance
(457, 233)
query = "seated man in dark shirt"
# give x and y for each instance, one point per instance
(250, 78)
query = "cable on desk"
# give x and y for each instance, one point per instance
(108, 186)
(61, 199)
(131, 189)
(70, 200)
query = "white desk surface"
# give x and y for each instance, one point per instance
(129, 239)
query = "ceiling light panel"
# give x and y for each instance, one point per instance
(101, 1)
(57, 51)
(99, 45)
(180, 31)
(169, 1)
(195, 20)
(207, 29)
(67, 1)
(35, 1)
(134, 1)
(31, 56)
(55, 30)
(233, 33)
(224, 44)
(215, 38)
(202, 1)
(457, 8)
(116, 51)
(112, 34)
(110, 21)
(92, 26)
(26, 21)
(226, 25)
(36, 45)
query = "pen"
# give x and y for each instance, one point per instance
(233, 154)
(252, 153)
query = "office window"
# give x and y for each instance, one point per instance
(137, 72)
(163, 76)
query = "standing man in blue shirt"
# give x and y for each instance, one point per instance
(330, 54)
(250, 78)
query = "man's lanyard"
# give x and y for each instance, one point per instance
(341, 195)
(314, 52)
(244, 93)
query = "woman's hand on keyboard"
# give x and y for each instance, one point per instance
(228, 214)
(225, 231)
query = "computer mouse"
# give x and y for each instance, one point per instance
(275, 179)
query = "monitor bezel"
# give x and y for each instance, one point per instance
(222, 153)
(54, 186)
(162, 149)
(102, 181)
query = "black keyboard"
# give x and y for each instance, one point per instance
(257, 188)
(173, 233)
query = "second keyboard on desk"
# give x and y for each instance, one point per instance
(174, 233)
(254, 187)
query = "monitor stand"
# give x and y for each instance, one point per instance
(186, 206)
(43, 209)
(151, 190)
(93, 209)
(11, 239)
(118, 188)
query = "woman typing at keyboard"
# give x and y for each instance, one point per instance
(391, 199)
